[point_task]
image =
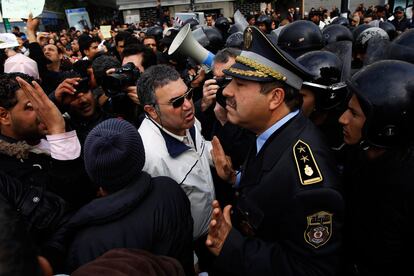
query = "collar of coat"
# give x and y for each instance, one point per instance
(174, 146)
(113, 206)
(17, 149)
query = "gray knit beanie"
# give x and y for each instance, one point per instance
(113, 154)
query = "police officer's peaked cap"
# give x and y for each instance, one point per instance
(262, 61)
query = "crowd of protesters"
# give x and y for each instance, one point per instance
(116, 155)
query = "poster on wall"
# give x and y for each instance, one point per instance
(78, 18)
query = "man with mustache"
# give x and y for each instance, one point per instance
(173, 142)
(288, 212)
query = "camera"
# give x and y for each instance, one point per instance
(82, 86)
(123, 77)
(222, 83)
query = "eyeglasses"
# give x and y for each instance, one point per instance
(178, 101)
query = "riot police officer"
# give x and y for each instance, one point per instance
(379, 173)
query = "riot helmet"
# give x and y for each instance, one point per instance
(223, 24)
(155, 31)
(372, 33)
(335, 32)
(215, 39)
(358, 30)
(266, 21)
(235, 40)
(300, 37)
(341, 21)
(389, 28)
(327, 87)
(406, 39)
(385, 91)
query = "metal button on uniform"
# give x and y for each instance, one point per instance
(36, 199)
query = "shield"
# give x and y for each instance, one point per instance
(343, 50)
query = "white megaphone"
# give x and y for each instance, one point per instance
(185, 44)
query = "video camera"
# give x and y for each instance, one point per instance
(123, 77)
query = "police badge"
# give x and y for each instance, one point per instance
(319, 229)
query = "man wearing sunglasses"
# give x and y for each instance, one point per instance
(172, 140)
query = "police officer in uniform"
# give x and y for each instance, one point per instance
(288, 214)
(379, 191)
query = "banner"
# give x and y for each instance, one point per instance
(22, 8)
(78, 18)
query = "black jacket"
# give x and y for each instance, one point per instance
(150, 213)
(401, 25)
(380, 210)
(67, 179)
(42, 212)
(284, 224)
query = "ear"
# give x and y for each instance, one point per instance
(276, 98)
(45, 266)
(150, 110)
(4, 116)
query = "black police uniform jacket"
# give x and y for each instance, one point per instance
(379, 196)
(288, 214)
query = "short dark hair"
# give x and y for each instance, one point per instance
(8, 88)
(18, 255)
(293, 98)
(223, 55)
(101, 64)
(155, 77)
(122, 36)
(148, 59)
(85, 42)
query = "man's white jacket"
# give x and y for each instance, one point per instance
(165, 155)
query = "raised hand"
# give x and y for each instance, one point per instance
(219, 228)
(222, 162)
(46, 110)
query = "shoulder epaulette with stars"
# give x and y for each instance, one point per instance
(308, 170)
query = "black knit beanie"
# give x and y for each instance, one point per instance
(114, 154)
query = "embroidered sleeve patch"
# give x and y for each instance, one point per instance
(319, 229)
(308, 170)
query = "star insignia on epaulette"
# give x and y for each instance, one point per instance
(308, 169)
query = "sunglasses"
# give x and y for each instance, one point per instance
(178, 101)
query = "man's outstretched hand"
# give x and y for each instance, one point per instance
(219, 228)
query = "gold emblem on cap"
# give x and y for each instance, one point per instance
(265, 71)
(248, 38)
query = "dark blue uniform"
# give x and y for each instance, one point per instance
(288, 215)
